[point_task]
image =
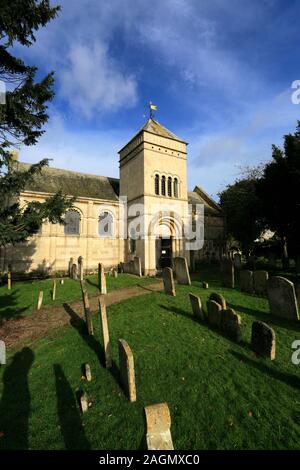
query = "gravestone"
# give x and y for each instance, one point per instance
(168, 279)
(87, 312)
(282, 298)
(87, 372)
(231, 324)
(105, 333)
(9, 280)
(137, 267)
(62, 282)
(80, 267)
(115, 273)
(2, 353)
(263, 339)
(71, 262)
(219, 299)
(227, 272)
(126, 364)
(297, 290)
(196, 306)
(246, 281)
(182, 270)
(54, 290)
(214, 315)
(237, 260)
(158, 424)
(84, 403)
(260, 282)
(205, 285)
(40, 299)
(101, 279)
(74, 272)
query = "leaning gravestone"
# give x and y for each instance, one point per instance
(74, 272)
(40, 299)
(196, 306)
(158, 423)
(219, 299)
(182, 270)
(168, 279)
(87, 312)
(2, 353)
(105, 333)
(231, 324)
(84, 404)
(54, 290)
(87, 372)
(227, 272)
(246, 281)
(260, 282)
(214, 314)
(101, 279)
(137, 267)
(71, 262)
(263, 339)
(127, 374)
(282, 298)
(80, 267)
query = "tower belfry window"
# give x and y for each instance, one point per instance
(163, 185)
(156, 184)
(169, 186)
(175, 187)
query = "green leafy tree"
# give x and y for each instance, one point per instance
(279, 192)
(22, 118)
(241, 207)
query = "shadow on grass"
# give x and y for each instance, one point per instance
(8, 307)
(91, 283)
(289, 379)
(267, 317)
(80, 325)
(69, 416)
(15, 402)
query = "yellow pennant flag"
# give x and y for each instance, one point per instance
(153, 107)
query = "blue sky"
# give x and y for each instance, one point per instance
(220, 72)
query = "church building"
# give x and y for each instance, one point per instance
(144, 213)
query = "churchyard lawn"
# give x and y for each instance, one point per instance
(22, 299)
(220, 394)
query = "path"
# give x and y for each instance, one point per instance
(38, 325)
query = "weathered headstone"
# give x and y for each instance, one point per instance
(74, 272)
(54, 290)
(40, 299)
(2, 353)
(101, 279)
(115, 273)
(260, 282)
(84, 403)
(80, 267)
(196, 306)
(158, 424)
(231, 324)
(205, 285)
(237, 260)
(62, 282)
(127, 374)
(214, 315)
(105, 333)
(227, 272)
(263, 339)
(282, 298)
(87, 312)
(71, 262)
(88, 372)
(246, 281)
(182, 270)
(9, 280)
(168, 279)
(219, 299)
(137, 266)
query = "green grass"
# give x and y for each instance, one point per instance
(22, 299)
(220, 395)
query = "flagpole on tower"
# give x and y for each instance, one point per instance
(152, 107)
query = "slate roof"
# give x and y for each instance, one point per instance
(73, 183)
(199, 196)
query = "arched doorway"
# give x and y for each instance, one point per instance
(167, 232)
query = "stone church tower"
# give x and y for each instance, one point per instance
(153, 177)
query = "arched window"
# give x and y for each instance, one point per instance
(163, 185)
(156, 184)
(105, 224)
(169, 186)
(175, 187)
(72, 222)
